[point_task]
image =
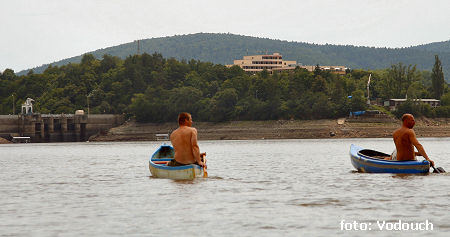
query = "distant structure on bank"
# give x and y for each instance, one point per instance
(342, 70)
(29, 126)
(275, 62)
(27, 106)
(394, 103)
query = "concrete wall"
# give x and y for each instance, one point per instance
(9, 124)
(101, 122)
(57, 127)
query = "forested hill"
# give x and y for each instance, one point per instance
(443, 47)
(224, 48)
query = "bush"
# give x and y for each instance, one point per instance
(416, 109)
(442, 112)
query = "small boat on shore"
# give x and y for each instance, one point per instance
(370, 161)
(159, 169)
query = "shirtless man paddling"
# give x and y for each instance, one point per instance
(405, 140)
(184, 141)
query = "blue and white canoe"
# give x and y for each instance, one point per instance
(370, 161)
(159, 169)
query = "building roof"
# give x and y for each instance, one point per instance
(425, 100)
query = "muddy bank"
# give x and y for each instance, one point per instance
(281, 129)
(4, 141)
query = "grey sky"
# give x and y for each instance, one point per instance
(36, 32)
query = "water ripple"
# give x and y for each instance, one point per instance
(254, 188)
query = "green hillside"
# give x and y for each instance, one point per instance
(224, 48)
(436, 47)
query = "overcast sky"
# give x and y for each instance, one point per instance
(36, 32)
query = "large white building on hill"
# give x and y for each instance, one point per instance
(257, 63)
(275, 62)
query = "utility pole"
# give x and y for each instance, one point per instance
(87, 98)
(14, 105)
(138, 47)
(368, 84)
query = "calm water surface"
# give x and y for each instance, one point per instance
(255, 188)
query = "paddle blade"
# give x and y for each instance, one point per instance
(438, 170)
(205, 172)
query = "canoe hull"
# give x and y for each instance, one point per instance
(159, 169)
(367, 164)
(177, 172)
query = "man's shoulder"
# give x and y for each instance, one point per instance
(403, 130)
(411, 131)
(175, 131)
(406, 132)
(397, 132)
(188, 129)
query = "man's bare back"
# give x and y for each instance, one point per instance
(405, 140)
(405, 148)
(184, 141)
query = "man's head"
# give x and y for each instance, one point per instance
(408, 120)
(185, 119)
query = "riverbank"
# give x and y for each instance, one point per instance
(281, 129)
(4, 141)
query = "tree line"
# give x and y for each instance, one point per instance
(155, 89)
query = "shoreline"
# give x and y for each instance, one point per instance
(4, 141)
(279, 129)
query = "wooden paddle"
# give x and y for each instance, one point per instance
(205, 172)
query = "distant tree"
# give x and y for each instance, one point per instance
(193, 79)
(184, 99)
(442, 111)
(8, 74)
(142, 109)
(319, 84)
(317, 70)
(358, 101)
(414, 108)
(240, 83)
(437, 79)
(445, 99)
(299, 82)
(223, 104)
(416, 90)
(397, 81)
(321, 107)
(87, 58)
(108, 62)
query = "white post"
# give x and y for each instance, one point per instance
(14, 105)
(368, 84)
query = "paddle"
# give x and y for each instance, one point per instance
(205, 173)
(438, 170)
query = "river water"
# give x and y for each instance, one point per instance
(255, 188)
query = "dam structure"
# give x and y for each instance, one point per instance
(56, 127)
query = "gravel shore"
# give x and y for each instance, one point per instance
(4, 141)
(281, 129)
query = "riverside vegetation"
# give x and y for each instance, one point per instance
(155, 89)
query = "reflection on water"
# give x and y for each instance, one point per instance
(254, 188)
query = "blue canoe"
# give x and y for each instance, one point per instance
(159, 169)
(370, 161)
